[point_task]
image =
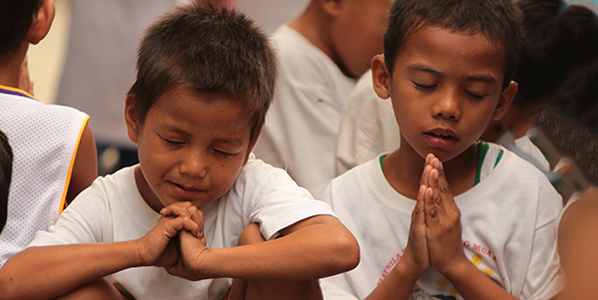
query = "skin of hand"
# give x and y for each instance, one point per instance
(159, 246)
(443, 221)
(190, 247)
(416, 259)
(416, 253)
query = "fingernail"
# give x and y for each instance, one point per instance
(435, 174)
(163, 210)
(430, 192)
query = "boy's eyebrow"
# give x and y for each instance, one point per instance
(225, 140)
(420, 67)
(174, 129)
(231, 141)
(424, 68)
(485, 78)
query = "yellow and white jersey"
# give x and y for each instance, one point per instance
(44, 140)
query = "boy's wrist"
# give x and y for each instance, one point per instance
(408, 271)
(138, 257)
(459, 269)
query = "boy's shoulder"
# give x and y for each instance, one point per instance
(305, 62)
(502, 160)
(14, 101)
(257, 174)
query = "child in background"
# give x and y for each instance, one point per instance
(53, 147)
(321, 54)
(5, 176)
(167, 228)
(570, 123)
(560, 40)
(446, 68)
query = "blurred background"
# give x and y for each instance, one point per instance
(46, 60)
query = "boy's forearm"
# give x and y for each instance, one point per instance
(314, 251)
(397, 285)
(471, 283)
(48, 272)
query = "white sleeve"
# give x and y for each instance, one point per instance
(83, 221)
(545, 277)
(332, 290)
(271, 198)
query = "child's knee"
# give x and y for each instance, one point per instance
(251, 235)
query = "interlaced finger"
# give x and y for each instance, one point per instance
(177, 209)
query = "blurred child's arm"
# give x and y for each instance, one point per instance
(85, 169)
(48, 272)
(443, 233)
(315, 247)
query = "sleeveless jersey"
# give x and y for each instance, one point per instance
(44, 140)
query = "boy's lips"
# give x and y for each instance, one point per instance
(185, 191)
(441, 137)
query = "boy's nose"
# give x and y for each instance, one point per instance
(448, 105)
(194, 165)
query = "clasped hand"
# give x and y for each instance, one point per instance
(177, 243)
(435, 233)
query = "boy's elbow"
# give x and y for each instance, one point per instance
(347, 252)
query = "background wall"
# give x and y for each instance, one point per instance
(46, 59)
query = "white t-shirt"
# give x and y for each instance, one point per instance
(509, 223)
(44, 141)
(112, 210)
(368, 127)
(302, 125)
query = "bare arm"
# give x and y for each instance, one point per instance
(85, 169)
(400, 281)
(577, 247)
(48, 272)
(313, 248)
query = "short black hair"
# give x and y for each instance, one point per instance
(498, 20)
(6, 158)
(216, 51)
(559, 39)
(16, 16)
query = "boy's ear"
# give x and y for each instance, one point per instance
(132, 118)
(381, 77)
(252, 146)
(40, 26)
(332, 7)
(506, 97)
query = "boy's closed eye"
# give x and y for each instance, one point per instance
(474, 95)
(173, 143)
(424, 87)
(223, 153)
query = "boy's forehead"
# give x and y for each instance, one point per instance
(440, 37)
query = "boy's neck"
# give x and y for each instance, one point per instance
(10, 67)
(313, 25)
(403, 169)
